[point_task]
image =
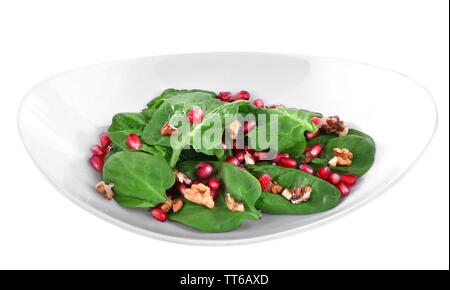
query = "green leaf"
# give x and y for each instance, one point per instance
(360, 144)
(140, 179)
(241, 185)
(292, 125)
(323, 196)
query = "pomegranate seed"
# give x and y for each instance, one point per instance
(159, 214)
(196, 182)
(232, 159)
(288, 162)
(323, 172)
(258, 103)
(265, 181)
(310, 135)
(97, 162)
(249, 125)
(240, 156)
(204, 170)
(334, 178)
(306, 168)
(316, 150)
(343, 189)
(349, 179)
(104, 140)
(98, 150)
(316, 120)
(249, 150)
(195, 115)
(242, 95)
(308, 148)
(279, 156)
(214, 194)
(308, 157)
(213, 183)
(133, 141)
(225, 96)
(243, 167)
(169, 195)
(260, 155)
(181, 188)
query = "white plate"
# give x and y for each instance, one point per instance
(61, 117)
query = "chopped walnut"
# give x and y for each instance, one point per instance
(249, 159)
(275, 188)
(234, 205)
(341, 157)
(177, 205)
(181, 177)
(301, 194)
(287, 193)
(167, 129)
(333, 124)
(233, 129)
(106, 189)
(200, 194)
(167, 206)
(275, 106)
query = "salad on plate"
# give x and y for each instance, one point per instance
(211, 161)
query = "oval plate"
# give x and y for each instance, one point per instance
(61, 117)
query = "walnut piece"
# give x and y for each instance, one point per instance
(177, 205)
(167, 206)
(287, 193)
(106, 189)
(167, 129)
(234, 205)
(233, 129)
(275, 188)
(342, 157)
(333, 124)
(301, 194)
(249, 159)
(181, 177)
(275, 106)
(200, 194)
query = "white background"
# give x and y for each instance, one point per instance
(405, 228)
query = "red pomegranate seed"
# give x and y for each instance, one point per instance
(213, 183)
(308, 148)
(323, 172)
(306, 168)
(261, 155)
(310, 135)
(133, 141)
(334, 178)
(159, 214)
(204, 170)
(316, 120)
(225, 96)
(240, 156)
(349, 179)
(308, 157)
(265, 181)
(258, 103)
(242, 95)
(233, 159)
(181, 188)
(343, 189)
(195, 115)
(104, 140)
(98, 150)
(249, 150)
(249, 125)
(196, 182)
(316, 150)
(279, 156)
(169, 195)
(214, 194)
(97, 162)
(288, 162)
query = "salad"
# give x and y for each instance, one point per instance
(211, 161)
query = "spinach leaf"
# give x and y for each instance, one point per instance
(292, 125)
(140, 179)
(323, 197)
(242, 186)
(360, 144)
